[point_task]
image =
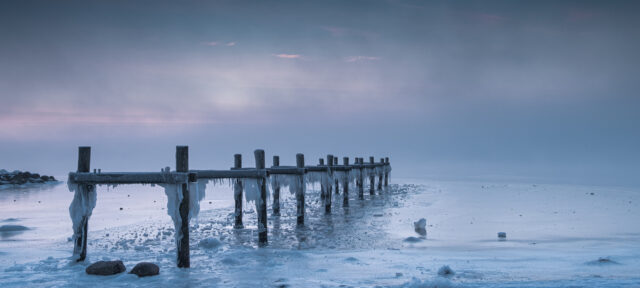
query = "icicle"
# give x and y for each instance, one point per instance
(84, 200)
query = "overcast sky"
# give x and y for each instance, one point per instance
(543, 90)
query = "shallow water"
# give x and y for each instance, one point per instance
(555, 236)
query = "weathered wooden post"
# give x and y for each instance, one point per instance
(372, 178)
(261, 204)
(322, 188)
(360, 180)
(182, 165)
(345, 183)
(84, 163)
(386, 171)
(237, 193)
(380, 175)
(276, 190)
(327, 197)
(300, 192)
(335, 163)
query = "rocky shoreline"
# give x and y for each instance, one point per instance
(20, 178)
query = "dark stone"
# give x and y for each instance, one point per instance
(144, 269)
(105, 268)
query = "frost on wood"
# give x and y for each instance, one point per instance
(84, 200)
(174, 197)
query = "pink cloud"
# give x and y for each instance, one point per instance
(579, 15)
(211, 43)
(360, 58)
(231, 44)
(288, 56)
(488, 18)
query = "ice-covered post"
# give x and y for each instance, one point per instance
(335, 163)
(345, 184)
(237, 193)
(380, 174)
(276, 190)
(372, 178)
(300, 191)
(322, 188)
(182, 165)
(84, 163)
(327, 197)
(261, 204)
(360, 180)
(386, 171)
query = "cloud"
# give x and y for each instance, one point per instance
(288, 56)
(360, 58)
(216, 43)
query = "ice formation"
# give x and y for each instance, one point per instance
(84, 200)
(174, 197)
(252, 189)
(324, 178)
(292, 182)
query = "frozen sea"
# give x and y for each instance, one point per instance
(557, 236)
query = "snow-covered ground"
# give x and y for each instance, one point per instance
(557, 236)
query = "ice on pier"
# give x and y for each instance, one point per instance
(175, 196)
(252, 189)
(324, 178)
(84, 200)
(291, 182)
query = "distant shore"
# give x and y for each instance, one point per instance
(18, 178)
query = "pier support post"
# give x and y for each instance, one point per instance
(380, 175)
(84, 163)
(322, 188)
(386, 171)
(372, 178)
(335, 163)
(360, 180)
(182, 165)
(345, 184)
(327, 196)
(261, 205)
(276, 190)
(237, 193)
(300, 191)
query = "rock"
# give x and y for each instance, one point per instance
(446, 271)
(105, 268)
(12, 228)
(412, 239)
(421, 227)
(144, 269)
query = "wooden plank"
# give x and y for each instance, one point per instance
(129, 178)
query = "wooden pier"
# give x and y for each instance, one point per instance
(83, 183)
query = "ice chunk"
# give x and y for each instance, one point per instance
(209, 243)
(446, 271)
